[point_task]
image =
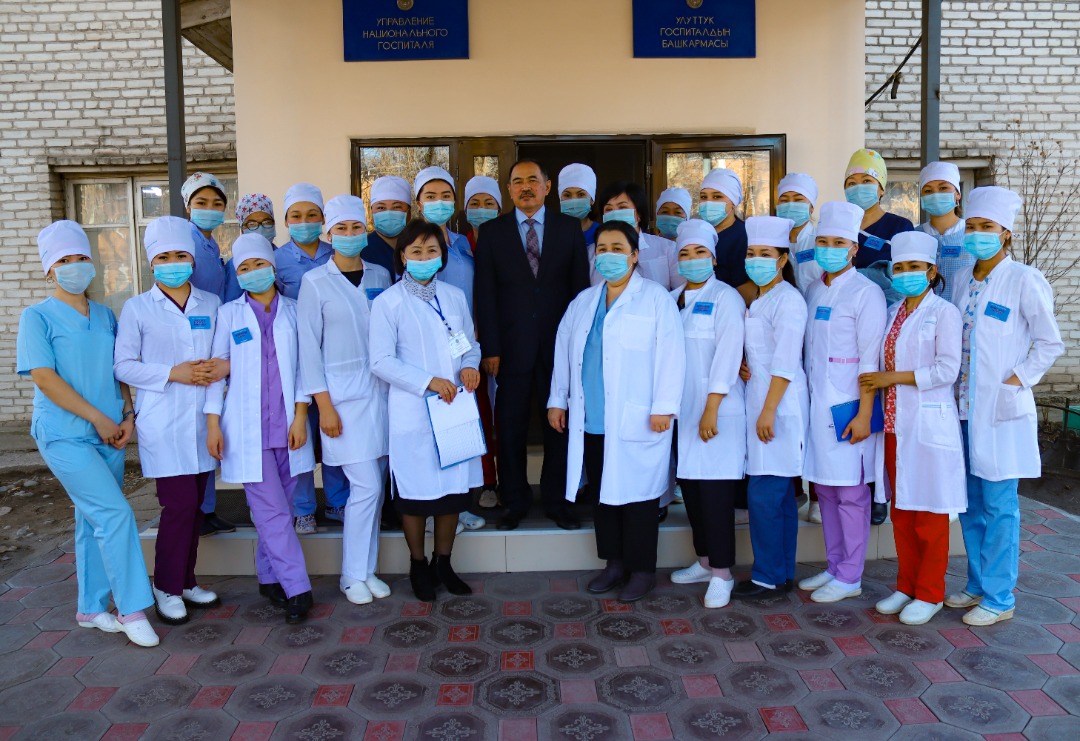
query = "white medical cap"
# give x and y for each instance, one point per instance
(428, 174)
(578, 175)
(197, 182)
(391, 188)
(301, 193)
(914, 245)
(696, 231)
(946, 171)
(769, 231)
(725, 181)
(483, 184)
(345, 208)
(59, 240)
(840, 219)
(798, 182)
(168, 233)
(679, 196)
(250, 245)
(1000, 205)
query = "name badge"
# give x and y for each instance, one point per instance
(373, 293)
(947, 251)
(459, 344)
(703, 307)
(874, 243)
(804, 256)
(241, 336)
(997, 311)
(823, 313)
(199, 322)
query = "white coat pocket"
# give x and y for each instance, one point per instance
(348, 381)
(635, 425)
(638, 332)
(1013, 402)
(937, 426)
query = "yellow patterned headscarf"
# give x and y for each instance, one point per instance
(868, 162)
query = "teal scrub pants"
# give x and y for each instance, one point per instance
(108, 558)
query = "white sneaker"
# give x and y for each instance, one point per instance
(919, 612)
(811, 583)
(695, 573)
(893, 604)
(305, 525)
(378, 588)
(103, 621)
(835, 591)
(813, 512)
(170, 607)
(357, 593)
(963, 599)
(982, 616)
(742, 517)
(138, 630)
(199, 597)
(469, 521)
(719, 592)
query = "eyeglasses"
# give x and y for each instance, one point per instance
(252, 224)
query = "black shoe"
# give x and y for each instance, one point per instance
(212, 524)
(566, 520)
(878, 512)
(749, 590)
(789, 585)
(420, 577)
(296, 609)
(663, 513)
(640, 584)
(611, 577)
(508, 522)
(443, 573)
(274, 593)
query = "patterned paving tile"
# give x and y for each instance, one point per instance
(392, 696)
(975, 708)
(638, 689)
(762, 684)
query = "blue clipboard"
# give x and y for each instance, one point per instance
(842, 414)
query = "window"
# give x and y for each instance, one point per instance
(902, 193)
(403, 161)
(114, 212)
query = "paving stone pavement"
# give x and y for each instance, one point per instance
(534, 656)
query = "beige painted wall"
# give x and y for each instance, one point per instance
(297, 107)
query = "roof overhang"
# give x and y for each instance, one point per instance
(208, 25)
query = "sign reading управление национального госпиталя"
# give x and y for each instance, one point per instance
(695, 28)
(400, 30)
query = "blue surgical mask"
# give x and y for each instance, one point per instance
(668, 225)
(207, 219)
(612, 265)
(938, 204)
(910, 284)
(173, 274)
(697, 270)
(268, 231)
(832, 259)
(349, 245)
(423, 270)
(983, 245)
(863, 195)
(74, 277)
(257, 281)
(579, 208)
(797, 211)
(761, 269)
(389, 223)
(712, 211)
(625, 215)
(478, 216)
(305, 233)
(438, 212)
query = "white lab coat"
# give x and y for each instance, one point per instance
(929, 460)
(1002, 431)
(152, 337)
(838, 349)
(409, 347)
(775, 325)
(712, 321)
(644, 368)
(807, 271)
(241, 408)
(658, 260)
(332, 318)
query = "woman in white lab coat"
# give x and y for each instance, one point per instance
(711, 441)
(627, 202)
(259, 431)
(777, 406)
(163, 349)
(617, 386)
(423, 342)
(845, 324)
(1009, 340)
(919, 459)
(333, 312)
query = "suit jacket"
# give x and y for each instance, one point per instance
(517, 314)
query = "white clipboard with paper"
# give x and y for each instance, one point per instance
(459, 435)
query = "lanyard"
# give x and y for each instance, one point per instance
(437, 308)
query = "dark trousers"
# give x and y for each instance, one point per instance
(774, 529)
(181, 520)
(625, 532)
(710, 507)
(518, 395)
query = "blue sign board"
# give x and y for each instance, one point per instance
(695, 28)
(398, 30)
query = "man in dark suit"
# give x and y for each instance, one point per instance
(530, 263)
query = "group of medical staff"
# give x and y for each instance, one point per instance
(834, 344)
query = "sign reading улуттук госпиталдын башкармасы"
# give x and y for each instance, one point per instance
(401, 30)
(695, 28)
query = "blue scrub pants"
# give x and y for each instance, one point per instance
(991, 529)
(108, 558)
(335, 483)
(774, 528)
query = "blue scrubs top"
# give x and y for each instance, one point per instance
(460, 266)
(292, 263)
(209, 273)
(80, 350)
(590, 233)
(379, 252)
(592, 371)
(731, 254)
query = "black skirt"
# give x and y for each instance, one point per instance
(451, 504)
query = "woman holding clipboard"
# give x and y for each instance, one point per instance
(422, 342)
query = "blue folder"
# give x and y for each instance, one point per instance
(842, 414)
